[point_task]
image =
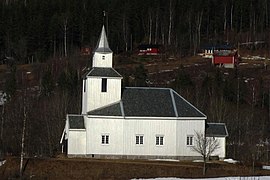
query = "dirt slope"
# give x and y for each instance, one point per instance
(63, 168)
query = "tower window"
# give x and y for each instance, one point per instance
(104, 85)
(103, 57)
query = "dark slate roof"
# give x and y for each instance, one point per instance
(76, 122)
(184, 108)
(111, 110)
(216, 130)
(150, 102)
(103, 72)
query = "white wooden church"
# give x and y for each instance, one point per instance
(132, 122)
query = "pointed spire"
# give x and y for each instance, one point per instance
(103, 45)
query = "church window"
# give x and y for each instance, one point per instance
(105, 139)
(104, 85)
(103, 57)
(190, 140)
(139, 139)
(159, 140)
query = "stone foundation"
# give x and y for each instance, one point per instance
(102, 156)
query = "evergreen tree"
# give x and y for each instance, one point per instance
(47, 84)
(140, 76)
(10, 84)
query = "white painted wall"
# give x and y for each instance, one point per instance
(122, 133)
(84, 96)
(220, 152)
(77, 142)
(149, 128)
(99, 61)
(184, 128)
(98, 126)
(96, 98)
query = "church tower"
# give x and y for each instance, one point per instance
(102, 84)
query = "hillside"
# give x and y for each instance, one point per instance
(62, 168)
(53, 89)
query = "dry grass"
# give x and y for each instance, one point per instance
(64, 168)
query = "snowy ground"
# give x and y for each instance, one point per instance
(222, 178)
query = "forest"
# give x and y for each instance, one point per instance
(33, 30)
(48, 35)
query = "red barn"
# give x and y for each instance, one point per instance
(149, 49)
(225, 58)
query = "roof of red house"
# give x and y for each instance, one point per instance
(225, 53)
(145, 46)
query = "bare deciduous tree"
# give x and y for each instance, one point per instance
(205, 147)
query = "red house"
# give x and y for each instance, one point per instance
(225, 58)
(86, 51)
(149, 49)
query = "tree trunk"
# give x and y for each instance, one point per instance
(65, 37)
(266, 13)
(150, 28)
(2, 122)
(170, 24)
(225, 18)
(156, 28)
(204, 165)
(232, 16)
(199, 27)
(54, 47)
(2, 129)
(23, 134)
(125, 32)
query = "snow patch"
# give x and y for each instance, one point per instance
(230, 161)
(221, 178)
(174, 160)
(2, 162)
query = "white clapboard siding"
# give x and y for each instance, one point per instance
(221, 151)
(149, 129)
(122, 136)
(77, 142)
(84, 96)
(185, 128)
(102, 59)
(103, 126)
(96, 98)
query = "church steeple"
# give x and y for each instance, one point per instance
(103, 45)
(103, 53)
(102, 84)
